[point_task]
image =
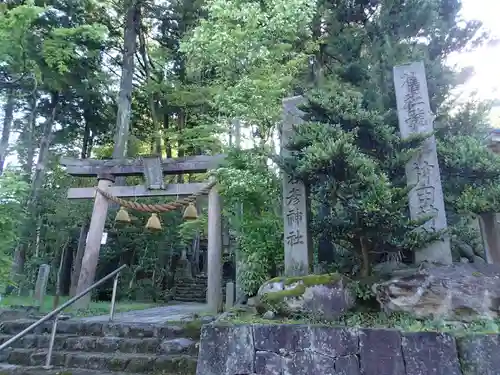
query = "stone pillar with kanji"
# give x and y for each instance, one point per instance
(422, 171)
(297, 239)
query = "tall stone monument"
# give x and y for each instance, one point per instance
(422, 172)
(298, 246)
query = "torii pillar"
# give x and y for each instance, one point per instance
(214, 252)
(93, 243)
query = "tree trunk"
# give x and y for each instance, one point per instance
(326, 255)
(59, 274)
(87, 140)
(77, 261)
(365, 257)
(28, 139)
(180, 149)
(132, 24)
(156, 149)
(67, 268)
(166, 124)
(38, 236)
(91, 255)
(7, 126)
(20, 252)
(43, 151)
(195, 264)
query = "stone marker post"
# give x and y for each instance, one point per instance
(229, 296)
(41, 283)
(298, 246)
(422, 171)
(490, 234)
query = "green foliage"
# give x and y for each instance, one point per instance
(247, 182)
(189, 229)
(361, 290)
(256, 50)
(16, 28)
(148, 254)
(351, 153)
(199, 65)
(64, 46)
(13, 191)
(50, 53)
(472, 174)
(369, 211)
(399, 321)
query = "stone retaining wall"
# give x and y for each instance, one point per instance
(305, 350)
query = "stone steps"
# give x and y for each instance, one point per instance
(20, 370)
(125, 362)
(181, 298)
(188, 289)
(194, 290)
(190, 292)
(81, 348)
(72, 327)
(106, 344)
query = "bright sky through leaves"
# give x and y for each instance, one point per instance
(486, 80)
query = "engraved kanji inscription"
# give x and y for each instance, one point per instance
(293, 197)
(424, 172)
(294, 238)
(413, 102)
(294, 216)
(426, 205)
(425, 198)
(292, 180)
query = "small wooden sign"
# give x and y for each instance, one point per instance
(153, 173)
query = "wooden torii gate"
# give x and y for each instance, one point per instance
(153, 169)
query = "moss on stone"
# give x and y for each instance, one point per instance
(301, 283)
(308, 280)
(192, 329)
(280, 295)
(400, 321)
(295, 287)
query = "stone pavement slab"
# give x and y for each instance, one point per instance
(155, 315)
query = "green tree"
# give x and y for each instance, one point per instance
(352, 153)
(60, 53)
(13, 191)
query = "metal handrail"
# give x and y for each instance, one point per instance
(56, 312)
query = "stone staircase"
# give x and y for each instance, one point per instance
(89, 348)
(195, 289)
(191, 289)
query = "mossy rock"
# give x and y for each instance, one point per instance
(309, 280)
(326, 296)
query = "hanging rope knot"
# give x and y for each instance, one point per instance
(157, 208)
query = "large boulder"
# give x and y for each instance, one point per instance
(320, 296)
(461, 291)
